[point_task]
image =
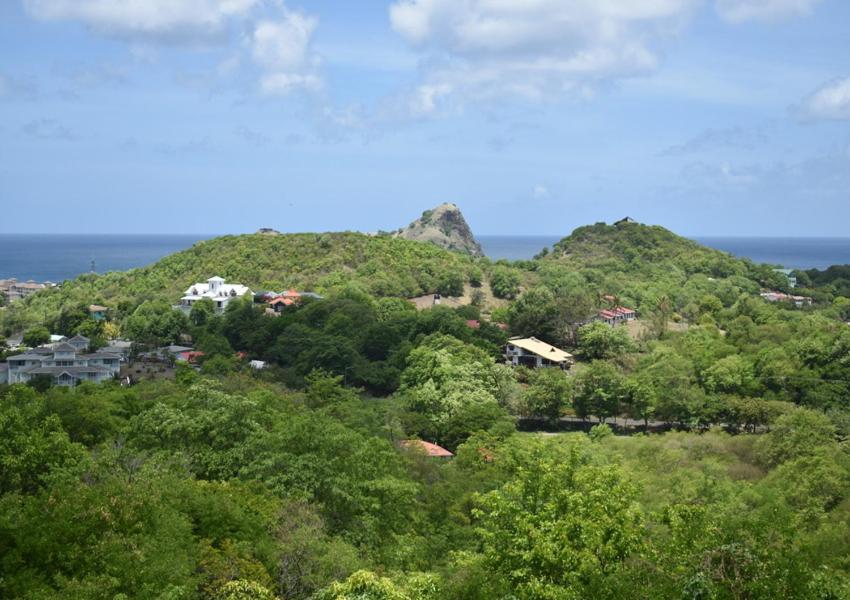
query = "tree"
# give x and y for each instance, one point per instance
(730, 375)
(155, 323)
(202, 312)
(324, 389)
(534, 314)
(560, 528)
(363, 585)
(800, 433)
(600, 391)
(504, 283)
(36, 336)
(548, 392)
(597, 340)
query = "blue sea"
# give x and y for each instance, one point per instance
(47, 257)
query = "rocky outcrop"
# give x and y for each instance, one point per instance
(445, 227)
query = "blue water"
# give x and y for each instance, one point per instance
(59, 257)
(49, 257)
(791, 253)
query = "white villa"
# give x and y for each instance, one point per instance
(65, 363)
(216, 290)
(531, 352)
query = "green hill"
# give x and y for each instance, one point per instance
(634, 247)
(642, 263)
(382, 265)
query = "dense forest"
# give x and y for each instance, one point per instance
(292, 482)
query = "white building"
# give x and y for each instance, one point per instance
(216, 290)
(531, 352)
(65, 363)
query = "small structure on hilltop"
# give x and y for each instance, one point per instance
(615, 316)
(531, 352)
(215, 289)
(430, 449)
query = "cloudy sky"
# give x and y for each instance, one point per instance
(711, 117)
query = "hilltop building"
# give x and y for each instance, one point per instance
(531, 352)
(217, 290)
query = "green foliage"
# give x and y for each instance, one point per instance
(601, 390)
(504, 282)
(548, 393)
(382, 265)
(36, 336)
(562, 528)
(597, 340)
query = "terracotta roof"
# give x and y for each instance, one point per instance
(429, 448)
(284, 301)
(473, 323)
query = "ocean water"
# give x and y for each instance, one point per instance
(59, 257)
(49, 257)
(790, 252)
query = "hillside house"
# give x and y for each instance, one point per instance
(215, 289)
(798, 301)
(19, 291)
(97, 312)
(531, 352)
(616, 316)
(430, 449)
(64, 363)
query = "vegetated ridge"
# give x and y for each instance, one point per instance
(380, 265)
(444, 226)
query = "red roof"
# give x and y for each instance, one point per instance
(292, 293)
(191, 356)
(284, 301)
(623, 310)
(474, 324)
(607, 314)
(429, 448)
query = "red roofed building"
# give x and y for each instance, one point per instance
(473, 324)
(615, 316)
(279, 303)
(429, 448)
(190, 356)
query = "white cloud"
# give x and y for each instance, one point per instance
(738, 11)
(174, 20)
(283, 45)
(533, 49)
(832, 101)
(540, 192)
(280, 84)
(282, 49)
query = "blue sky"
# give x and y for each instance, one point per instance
(710, 117)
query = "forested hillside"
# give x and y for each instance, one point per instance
(381, 265)
(299, 479)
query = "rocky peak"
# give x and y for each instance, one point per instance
(445, 226)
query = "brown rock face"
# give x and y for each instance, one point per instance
(444, 226)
